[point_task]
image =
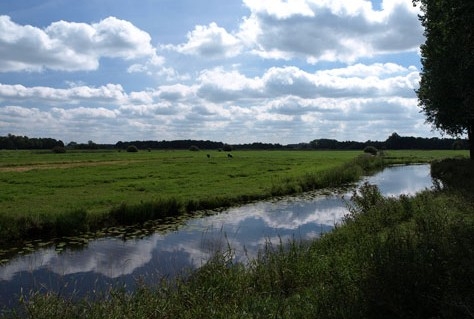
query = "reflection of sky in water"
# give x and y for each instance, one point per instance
(245, 229)
(403, 179)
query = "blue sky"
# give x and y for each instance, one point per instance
(237, 71)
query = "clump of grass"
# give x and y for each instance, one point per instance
(126, 214)
(42, 226)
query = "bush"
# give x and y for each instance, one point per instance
(132, 149)
(370, 150)
(59, 149)
(194, 148)
(227, 148)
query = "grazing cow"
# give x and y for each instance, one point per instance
(208, 155)
(229, 155)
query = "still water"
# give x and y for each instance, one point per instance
(110, 261)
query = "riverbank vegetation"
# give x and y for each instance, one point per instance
(46, 195)
(405, 257)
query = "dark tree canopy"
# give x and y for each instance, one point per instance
(447, 78)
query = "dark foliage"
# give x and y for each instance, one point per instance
(370, 150)
(168, 145)
(13, 142)
(59, 149)
(446, 85)
(132, 149)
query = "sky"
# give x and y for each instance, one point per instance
(235, 71)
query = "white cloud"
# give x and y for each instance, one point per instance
(175, 92)
(209, 41)
(41, 94)
(218, 85)
(84, 113)
(70, 46)
(281, 9)
(335, 30)
(360, 80)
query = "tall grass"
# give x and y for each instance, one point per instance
(348, 172)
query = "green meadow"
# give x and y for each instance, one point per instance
(47, 195)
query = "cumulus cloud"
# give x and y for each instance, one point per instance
(219, 85)
(108, 92)
(361, 80)
(71, 46)
(209, 41)
(335, 30)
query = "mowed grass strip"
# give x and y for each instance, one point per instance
(46, 193)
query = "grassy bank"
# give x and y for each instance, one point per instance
(47, 195)
(406, 257)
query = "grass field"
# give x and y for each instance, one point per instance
(44, 193)
(48, 183)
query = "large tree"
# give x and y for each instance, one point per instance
(447, 78)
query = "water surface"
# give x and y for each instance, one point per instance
(246, 229)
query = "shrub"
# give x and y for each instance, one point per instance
(194, 148)
(59, 149)
(227, 148)
(132, 149)
(370, 150)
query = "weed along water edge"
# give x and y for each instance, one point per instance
(83, 265)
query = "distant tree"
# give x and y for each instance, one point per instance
(194, 148)
(325, 143)
(446, 93)
(59, 149)
(394, 141)
(370, 150)
(91, 145)
(227, 148)
(72, 144)
(132, 149)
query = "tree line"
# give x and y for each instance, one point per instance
(169, 145)
(393, 142)
(13, 142)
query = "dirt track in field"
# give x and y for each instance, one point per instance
(29, 167)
